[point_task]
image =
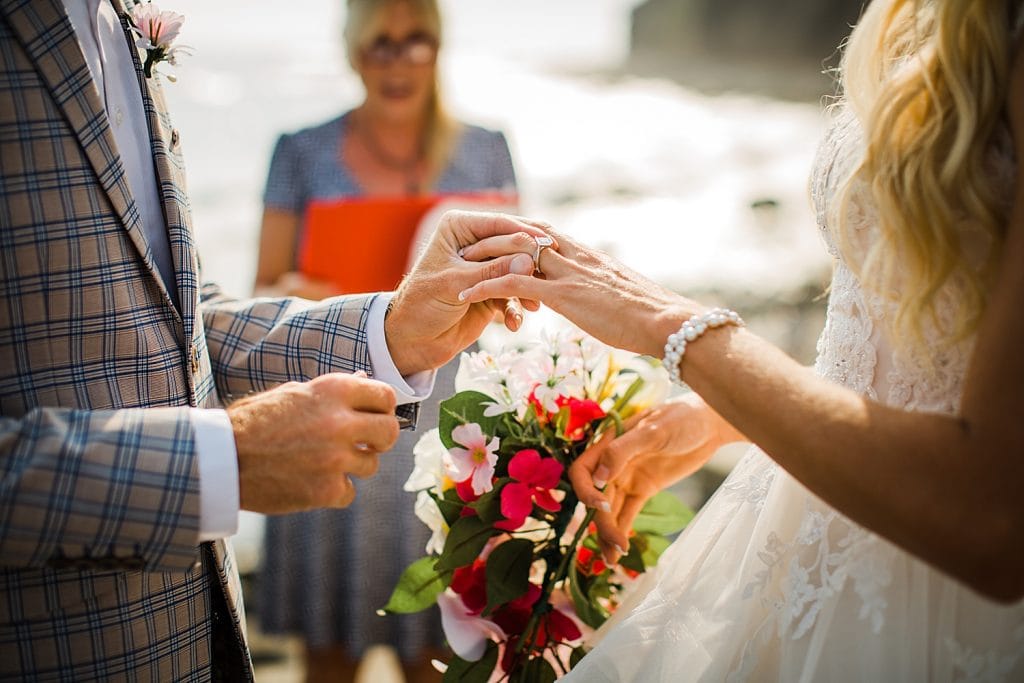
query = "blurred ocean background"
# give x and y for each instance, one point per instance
(684, 155)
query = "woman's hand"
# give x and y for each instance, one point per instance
(609, 301)
(662, 446)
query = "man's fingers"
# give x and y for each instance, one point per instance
(362, 464)
(500, 245)
(503, 287)
(356, 392)
(469, 227)
(372, 432)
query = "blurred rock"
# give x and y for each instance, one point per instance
(784, 48)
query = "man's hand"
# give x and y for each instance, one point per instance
(428, 324)
(299, 443)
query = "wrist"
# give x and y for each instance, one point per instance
(692, 329)
(402, 351)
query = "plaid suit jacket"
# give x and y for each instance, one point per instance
(101, 572)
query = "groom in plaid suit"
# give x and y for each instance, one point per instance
(119, 474)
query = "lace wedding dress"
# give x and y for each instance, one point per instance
(771, 584)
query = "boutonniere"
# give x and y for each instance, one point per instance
(157, 31)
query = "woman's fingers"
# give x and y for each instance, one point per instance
(546, 259)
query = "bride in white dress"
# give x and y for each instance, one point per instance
(876, 530)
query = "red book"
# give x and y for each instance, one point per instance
(363, 244)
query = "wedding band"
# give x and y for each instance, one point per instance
(542, 244)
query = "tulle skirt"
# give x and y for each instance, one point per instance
(768, 583)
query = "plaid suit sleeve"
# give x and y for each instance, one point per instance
(256, 344)
(99, 489)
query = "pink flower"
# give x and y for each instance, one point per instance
(475, 460)
(156, 29)
(534, 478)
(467, 634)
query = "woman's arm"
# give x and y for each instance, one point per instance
(947, 489)
(275, 274)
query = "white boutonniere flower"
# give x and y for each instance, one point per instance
(157, 32)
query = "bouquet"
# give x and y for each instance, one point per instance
(513, 562)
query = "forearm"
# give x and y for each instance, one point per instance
(257, 344)
(921, 480)
(115, 489)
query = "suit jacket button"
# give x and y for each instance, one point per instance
(195, 360)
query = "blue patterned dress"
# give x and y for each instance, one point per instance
(325, 573)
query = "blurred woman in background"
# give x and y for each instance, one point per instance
(325, 573)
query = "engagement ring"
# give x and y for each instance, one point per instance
(542, 244)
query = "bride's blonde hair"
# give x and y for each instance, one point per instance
(927, 80)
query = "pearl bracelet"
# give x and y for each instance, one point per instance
(697, 325)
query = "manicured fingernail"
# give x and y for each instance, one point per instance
(621, 551)
(360, 373)
(601, 477)
(605, 506)
(461, 252)
(463, 294)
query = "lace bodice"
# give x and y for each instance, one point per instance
(854, 348)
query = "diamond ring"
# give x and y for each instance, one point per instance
(542, 244)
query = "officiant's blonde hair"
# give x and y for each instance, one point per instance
(928, 81)
(363, 23)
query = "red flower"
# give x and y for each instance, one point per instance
(589, 562)
(534, 477)
(582, 411)
(470, 582)
(553, 626)
(465, 491)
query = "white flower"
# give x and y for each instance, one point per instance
(428, 512)
(428, 470)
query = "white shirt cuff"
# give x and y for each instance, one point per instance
(218, 474)
(407, 389)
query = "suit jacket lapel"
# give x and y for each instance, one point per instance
(170, 178)
(46, 34)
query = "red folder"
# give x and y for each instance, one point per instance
(362, 244)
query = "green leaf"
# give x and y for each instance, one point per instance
(508, 572)
(488, 506)
(466, 539)
(588, 612)
(663, 514)
(461, 671)
(538, 670)
(463, 408)
(417, 588)
(634, 558)
(656, 545)
(450, 506)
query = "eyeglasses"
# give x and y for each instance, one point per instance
(417, 49)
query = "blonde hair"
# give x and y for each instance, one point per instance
(927, 79)
(363, 22)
